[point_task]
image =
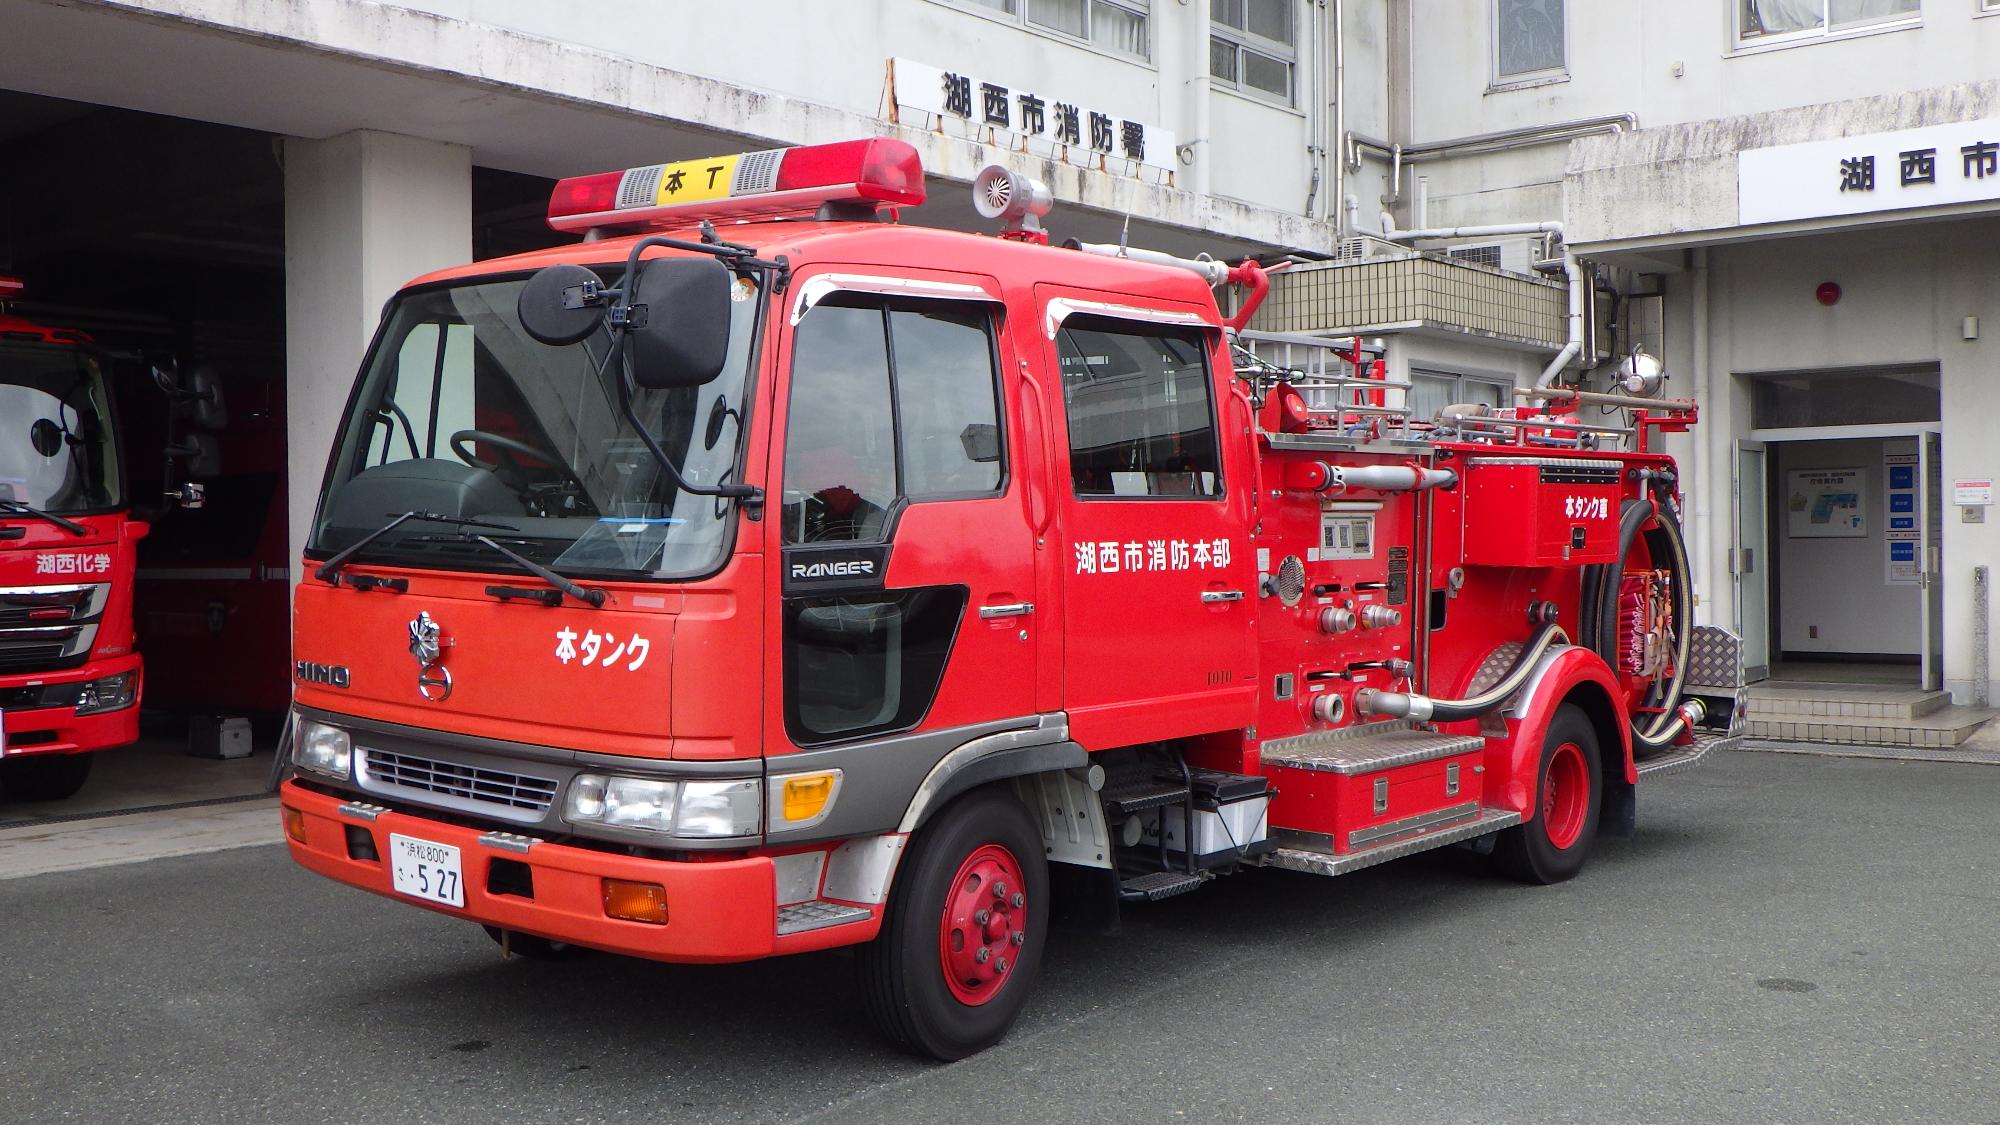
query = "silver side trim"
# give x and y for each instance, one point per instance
(1549, 462)
(508, 841)
(1062, 308)
(820, 286)
(1409, 825)
(859, 870)
(1682, 758)
(1047, 732)
(362, 810)
(803, 916)
(1320, 863)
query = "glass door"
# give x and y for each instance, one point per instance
(1749, 560)
(1930, 569)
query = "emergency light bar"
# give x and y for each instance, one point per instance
(745, 185)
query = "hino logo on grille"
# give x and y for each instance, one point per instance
(332, 675)
(844, 568)
(427, 644)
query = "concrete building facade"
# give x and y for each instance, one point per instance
(1323, 129)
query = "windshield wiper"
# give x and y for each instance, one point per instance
(590, 597)
(329, 570)
(15, 507)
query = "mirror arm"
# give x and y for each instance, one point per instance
(749, 495)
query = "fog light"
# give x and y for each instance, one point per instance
(112, 693)
(635, 902)
(295, 824)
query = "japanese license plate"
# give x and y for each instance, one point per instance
(424, 870)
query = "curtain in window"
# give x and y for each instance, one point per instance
(1067, 16)
(1118, 29)
(1529, 34)
(1868, 11)
(1771, 17)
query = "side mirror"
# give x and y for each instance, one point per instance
(561, 304)
(200, 455)
(684, 339)
(46, 437)
(981, 442)
(196, 394)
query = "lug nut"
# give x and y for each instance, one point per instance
(1000, 890)
(982, 955)
(982, 917)
(1018, 901)
(1000, 966)
(1020, 937)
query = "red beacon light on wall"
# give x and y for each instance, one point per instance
(781, 181)
(11, 288)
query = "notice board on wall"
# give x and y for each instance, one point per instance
(1902, 535)
(1825, 503)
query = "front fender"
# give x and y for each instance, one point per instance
(1560, 675)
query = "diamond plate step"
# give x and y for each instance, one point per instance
(1138, 796)
(802, 916)
(1314, 862)
(1353, 754)
(1678, 758)
(1154, 886)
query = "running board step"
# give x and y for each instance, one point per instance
(1353, 751)
(1156, 885)
(1674, 759)
(1315, 862)
(1137, 796)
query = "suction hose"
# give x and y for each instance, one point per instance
(1409, 705)
(1600, 624)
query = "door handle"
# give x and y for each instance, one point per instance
(1212, 596)
(1014, 609)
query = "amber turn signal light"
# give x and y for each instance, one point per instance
(635, 902)
(295, 824)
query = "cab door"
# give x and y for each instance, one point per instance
(899, 520)
(1154, 482)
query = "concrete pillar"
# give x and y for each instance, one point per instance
(364, 213)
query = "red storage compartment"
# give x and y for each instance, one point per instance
(1541, 511)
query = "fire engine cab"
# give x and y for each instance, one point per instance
(763, 574)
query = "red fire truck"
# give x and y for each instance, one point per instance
(768, 575)
(69, 663)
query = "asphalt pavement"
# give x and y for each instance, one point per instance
(1788, 938)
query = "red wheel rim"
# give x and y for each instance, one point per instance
(1565, 795)
(984, 924)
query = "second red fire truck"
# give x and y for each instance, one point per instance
(770, 575)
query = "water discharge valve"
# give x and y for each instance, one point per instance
(1337, 620)
(1380, 617)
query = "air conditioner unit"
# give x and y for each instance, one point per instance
(1515, 255)
(1368, 248)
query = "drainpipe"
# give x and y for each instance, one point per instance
(1571, 267)
(1200, 92)
(1337, 144)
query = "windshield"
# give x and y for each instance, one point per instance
(461, 413)
(57, 449)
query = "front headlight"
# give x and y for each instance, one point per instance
(707, 809)
(112, 693)
(322, 749)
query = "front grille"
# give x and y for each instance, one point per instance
(502, 791)
(32, 658)
(48, 628)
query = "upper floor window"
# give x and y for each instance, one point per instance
(1759, 21)
(1253, 45)
(1529, 41)
(1115, 25)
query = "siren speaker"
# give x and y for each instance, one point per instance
(998, 193)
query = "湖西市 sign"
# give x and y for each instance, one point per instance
(1050, 123)
(1931, 166)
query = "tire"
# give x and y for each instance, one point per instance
(518, 944)
(1569, 793)
(45, 777)
(924, 981)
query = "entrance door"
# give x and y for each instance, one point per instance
(1160, 582)
(1750, 560)
(1930, 568)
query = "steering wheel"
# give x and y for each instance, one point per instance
(461, 440)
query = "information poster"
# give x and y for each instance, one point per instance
(1825, 503)
(1900, 538)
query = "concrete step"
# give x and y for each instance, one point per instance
(1948, 727)
(1788, 701)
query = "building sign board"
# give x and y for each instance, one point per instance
(1901, 537)
(1825, 503)
(1931, 166)
(1973, 493)
(1044, 122)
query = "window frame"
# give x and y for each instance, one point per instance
(1825, 31)
(1016, 14)
(1242, 39)
(1135, 327)
(1502, 386)
(884, 304)
(1498, 81)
